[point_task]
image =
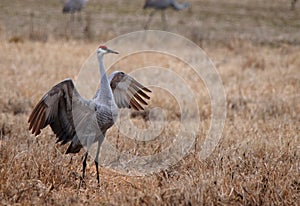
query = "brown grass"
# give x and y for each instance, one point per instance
(255, 163)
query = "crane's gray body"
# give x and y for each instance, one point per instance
(163, 5)
(83, 122)
(91, 128)
(293, 4)
(72, 6)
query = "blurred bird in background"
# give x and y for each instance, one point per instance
(74, 6)
(162, 5)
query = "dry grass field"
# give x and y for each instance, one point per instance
(255, 47)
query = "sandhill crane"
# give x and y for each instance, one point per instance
(162, 5)
(73, 6)
(293, 4)
(84, 122)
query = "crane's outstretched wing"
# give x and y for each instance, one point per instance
(62, 108)
(128, 93)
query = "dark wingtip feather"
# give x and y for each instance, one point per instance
(140, 99)
(143, 94)
(146, 89)
(37, 132)
(38, 121)
(34, 113)
(135, 104)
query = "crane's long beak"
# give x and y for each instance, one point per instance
(111, 51)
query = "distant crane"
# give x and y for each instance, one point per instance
(73, 6)
(84, 122)
(293, 4)
(163, 5)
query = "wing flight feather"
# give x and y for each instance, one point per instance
(55, 109)
(128, 92)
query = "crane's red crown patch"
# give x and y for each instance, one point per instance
(102, 47)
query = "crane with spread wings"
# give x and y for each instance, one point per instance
(82, 121)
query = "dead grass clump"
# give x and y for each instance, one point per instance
(16, 106)
(254, 63)
(36, 34)
(16, 39)
(4, 131)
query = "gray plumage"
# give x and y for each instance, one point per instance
(293, 4)
(163, 5)
(84, 122)
(72, 6)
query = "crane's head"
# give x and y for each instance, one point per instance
(104, 50)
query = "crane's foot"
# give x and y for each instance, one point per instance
(81, 183)
(98, 181)
(98, 174)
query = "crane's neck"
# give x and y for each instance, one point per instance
(104, 93)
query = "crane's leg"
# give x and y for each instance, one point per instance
(97, 165)
(83, 170)
(293, 3)
(79, 17)
(97, 158)
(72, 17)
(149, 19)
(97, 169)
(163, 19)
(84, 164)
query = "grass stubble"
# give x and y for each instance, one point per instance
(255, 163)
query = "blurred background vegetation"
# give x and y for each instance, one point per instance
(213, 21)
